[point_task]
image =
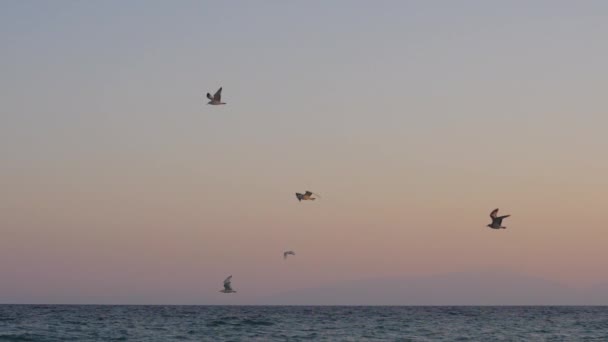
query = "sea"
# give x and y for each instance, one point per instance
(302, 323)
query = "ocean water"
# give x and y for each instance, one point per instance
(300, 323)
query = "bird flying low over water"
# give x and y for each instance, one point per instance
(285, 254)
(497, 220)
(216, 99)
(228, 286)
(307, 196)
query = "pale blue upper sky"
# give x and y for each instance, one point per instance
(74, 70)
(392, 110)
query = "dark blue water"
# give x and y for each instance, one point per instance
(285, 323)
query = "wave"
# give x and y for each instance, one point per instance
(243, 322)
(255, 322)
(20, 337)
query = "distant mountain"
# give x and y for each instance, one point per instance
(597, 295)
(483, 288)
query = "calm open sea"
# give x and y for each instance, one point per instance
(296, 323)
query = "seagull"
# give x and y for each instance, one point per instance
(227, 286)
(497, 220)
(285, 254)
(216, 99)
(306, 196)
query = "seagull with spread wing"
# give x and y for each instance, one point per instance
(497, 220)
(228, 286)
(307, 196)
(285, 254)
(216, 99)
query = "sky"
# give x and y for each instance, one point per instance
(412, 120)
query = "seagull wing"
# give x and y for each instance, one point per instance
(218, 95)
(285, 254)
(227, 283)
(209, 96)
(494, 213)
(310, 193)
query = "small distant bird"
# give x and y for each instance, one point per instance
(216, 99)
(228, 286)
(307, 196)
(497, 220)
(285, 254)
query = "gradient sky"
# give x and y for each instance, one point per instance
(413, 120)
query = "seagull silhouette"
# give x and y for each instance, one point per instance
(497, 220)
(285, 254)
(216, 99)
(307, 196)
(227, 286)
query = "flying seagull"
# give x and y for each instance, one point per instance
(285, 254)
(497, 220)
(227, 286)
(216, 99)
(306, 196)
